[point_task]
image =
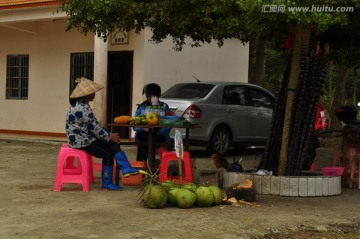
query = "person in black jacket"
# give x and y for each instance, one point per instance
(152, 92)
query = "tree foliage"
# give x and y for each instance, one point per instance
(207, 20)
(201, 20)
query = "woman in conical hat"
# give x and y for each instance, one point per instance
(84, 132)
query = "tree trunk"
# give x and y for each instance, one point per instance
(301, 39)
(252, 47)
(259, 63)
(339, 96)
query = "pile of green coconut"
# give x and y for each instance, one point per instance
(187, 195)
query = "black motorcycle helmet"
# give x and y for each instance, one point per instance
(152, 89)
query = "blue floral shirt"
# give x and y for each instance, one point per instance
(82, 128)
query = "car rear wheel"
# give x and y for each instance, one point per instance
(220, 141)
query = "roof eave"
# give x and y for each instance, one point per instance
(30, 5)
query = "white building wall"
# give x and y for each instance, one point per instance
(166, 66)
(49, 70)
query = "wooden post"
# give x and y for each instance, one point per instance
(180, 170)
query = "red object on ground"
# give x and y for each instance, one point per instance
(313, 167)
(332, 171)
(134, 180)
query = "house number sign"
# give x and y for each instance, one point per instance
(119, 37)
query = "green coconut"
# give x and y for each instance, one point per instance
(172, 196)
(185, 198)
(217, 194)
(204, 196)
(191, 186)
(155, 196)
(168, 184)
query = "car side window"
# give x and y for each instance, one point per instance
(234, 95)
(260, 99)
(188, 91)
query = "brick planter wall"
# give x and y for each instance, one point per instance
(292, 186)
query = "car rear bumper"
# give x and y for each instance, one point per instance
(196, 136)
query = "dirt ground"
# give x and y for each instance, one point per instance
(31, 209)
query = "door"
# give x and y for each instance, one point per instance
(261, 108)
(238, 109)
(120, 68)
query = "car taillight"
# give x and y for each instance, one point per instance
(192, 112)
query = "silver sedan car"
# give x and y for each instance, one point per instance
(229, 113)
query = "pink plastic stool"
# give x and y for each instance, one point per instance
(69, 172)
(71, 166)
(168, 156)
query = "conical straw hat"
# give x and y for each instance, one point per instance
(85, 87)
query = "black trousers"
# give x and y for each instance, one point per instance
(142, 150)
(104, 150)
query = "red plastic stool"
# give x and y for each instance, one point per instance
(68, 171)
(169, 156)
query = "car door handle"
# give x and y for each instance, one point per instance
(230, 110)
(260, 113)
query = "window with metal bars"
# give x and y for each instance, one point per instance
(81, 65)
(17, 77)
